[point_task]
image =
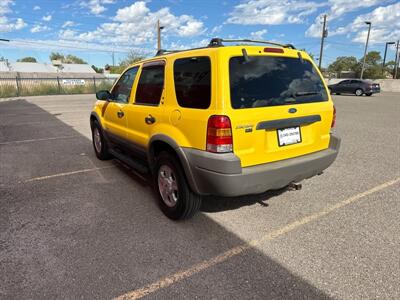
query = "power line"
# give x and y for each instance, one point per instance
(63, 45)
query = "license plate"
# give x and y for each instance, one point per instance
(289, 136)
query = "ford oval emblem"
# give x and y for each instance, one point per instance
(292, 110)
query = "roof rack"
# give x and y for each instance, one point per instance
(163, 51)
(217, 42)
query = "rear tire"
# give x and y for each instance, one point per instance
(368, 94)
(359, 92)
(99, 142)
(176, 199)
(337, 93)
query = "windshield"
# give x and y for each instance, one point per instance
(269, 81)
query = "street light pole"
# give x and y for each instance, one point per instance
(384, 57)
(396, 61)
(365, 51)
(159, 28)
(323, 36)
(4, 40)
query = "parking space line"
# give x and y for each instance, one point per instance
(181, 275)
(68, 173)
(40, 140)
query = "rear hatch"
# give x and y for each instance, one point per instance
(280, 107)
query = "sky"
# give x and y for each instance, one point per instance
(94, 29)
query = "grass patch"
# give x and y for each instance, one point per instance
(7, 91)
(51, 87)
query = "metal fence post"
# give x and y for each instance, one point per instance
(59, 85)
(94, 84)
(16, 82)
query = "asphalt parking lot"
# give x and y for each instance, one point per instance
(72, 226)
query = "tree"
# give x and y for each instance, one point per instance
(130, 59)
(72, 59)
(27, 59)
(343, 63)
(373, 65)
(56, 56)
(98, 70)
(69, 59)
(389, 68)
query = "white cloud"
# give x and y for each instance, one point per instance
(63, 45)
(258, 35)
(96, 7)
(39, 28)
(216, 29)
(341, 7)
(47, 18)
(272, 12)
(5, 6)
(338, 8)
(68, 24)
(136, 24)
(36, 7)
(385, 25)
(5, 24)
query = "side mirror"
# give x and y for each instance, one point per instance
(103, 95)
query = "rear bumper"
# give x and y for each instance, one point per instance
(222, 174)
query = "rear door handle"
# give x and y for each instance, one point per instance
(150, 120)
(120, 114)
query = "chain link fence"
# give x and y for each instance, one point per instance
(17, 86)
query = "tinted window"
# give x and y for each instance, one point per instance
(355, 81)
(344, 82)
(151, 84)
(192, 78)
(270, 81)
(122, 90)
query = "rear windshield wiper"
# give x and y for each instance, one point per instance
(299, 94)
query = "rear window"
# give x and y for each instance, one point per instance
(271, 81)
(192, 77)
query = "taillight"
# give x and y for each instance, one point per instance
(219, 134)
(334, 117)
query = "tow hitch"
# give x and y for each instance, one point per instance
(295, 186)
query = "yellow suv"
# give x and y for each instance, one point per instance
(219, 120)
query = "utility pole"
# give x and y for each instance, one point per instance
(113, 59)
(384, 57)
(396, 64)
(323, 36)
(159, 28)
(366, 47)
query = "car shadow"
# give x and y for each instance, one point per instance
(218, 204)
(98, 234)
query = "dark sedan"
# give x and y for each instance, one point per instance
(355, 86)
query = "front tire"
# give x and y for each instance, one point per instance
(359, 92)
(176, 199)
(99, 142)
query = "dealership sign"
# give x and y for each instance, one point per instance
(73, 82)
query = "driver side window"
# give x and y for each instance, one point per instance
(122, 90)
